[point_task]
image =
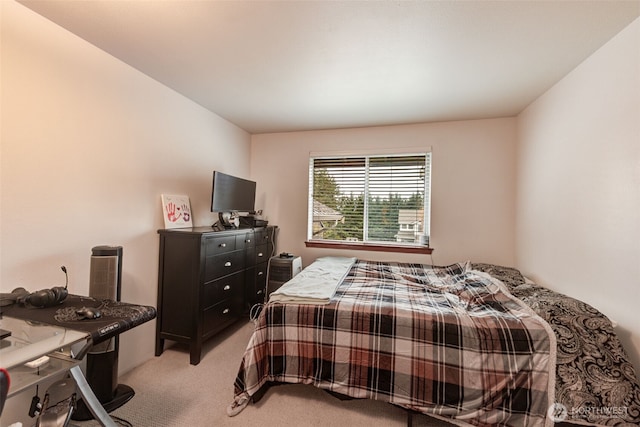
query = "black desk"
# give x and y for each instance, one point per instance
(117, 317)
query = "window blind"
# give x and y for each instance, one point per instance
(369, 198)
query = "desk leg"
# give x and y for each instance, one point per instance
(90, 399)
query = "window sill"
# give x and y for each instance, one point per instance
(378, 247)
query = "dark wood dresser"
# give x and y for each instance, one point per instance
(207, 280)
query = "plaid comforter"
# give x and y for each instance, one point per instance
(447, 342)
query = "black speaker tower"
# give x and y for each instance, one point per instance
(105, 280)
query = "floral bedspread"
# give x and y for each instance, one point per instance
(595, 382)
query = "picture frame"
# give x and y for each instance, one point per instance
(176, 211)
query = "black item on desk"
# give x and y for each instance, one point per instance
(39, 299)
(7, 299)
(44, 297)
(89, 313)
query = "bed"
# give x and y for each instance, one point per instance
(473, 344)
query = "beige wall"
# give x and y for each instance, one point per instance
(88, 146)
(473, 185)
(578, 205)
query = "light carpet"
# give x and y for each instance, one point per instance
(172, 392)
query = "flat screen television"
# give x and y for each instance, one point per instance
(232, 194)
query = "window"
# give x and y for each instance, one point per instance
(369, 199)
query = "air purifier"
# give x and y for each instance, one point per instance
(282, 268)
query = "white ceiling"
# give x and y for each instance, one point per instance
(272, 66)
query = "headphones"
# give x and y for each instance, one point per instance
(45, 297)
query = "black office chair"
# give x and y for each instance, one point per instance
(5, 381)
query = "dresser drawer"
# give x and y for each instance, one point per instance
(221, 289)
(245, 240)
(262, 253)
(219, 245)
(222, 315)
(262, 236)
(250, 256)
(260, 283)
(223, 265)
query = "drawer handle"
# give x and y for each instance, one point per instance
(226, 288)
(260, 273)
(260, 254)
(227, 264)
(225, 311)
(223, 245)
(248, 241)
(259, 292)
